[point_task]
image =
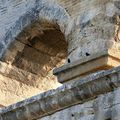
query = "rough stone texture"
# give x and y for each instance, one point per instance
(13, 91)
(89, 27)
(87, 65)
(95, 29)
(17, 84)
(31, 36)
(71, 6)
(31, 59)
(33, 56)
(101, 13)
(104, 107)
(95, 97)
(23, 13)
(27, 77)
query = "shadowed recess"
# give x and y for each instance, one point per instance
(38, 49)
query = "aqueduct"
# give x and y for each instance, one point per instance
(78, 42)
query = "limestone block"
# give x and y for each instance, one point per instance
(16, 15)
(95, 29)
(89, 98)
(116, 112)
(87, 65)
(13, 91)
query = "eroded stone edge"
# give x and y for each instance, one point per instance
(65, 96)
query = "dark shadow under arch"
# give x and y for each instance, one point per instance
(37, 50)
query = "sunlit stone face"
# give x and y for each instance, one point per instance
(31, 58)
(95, 30)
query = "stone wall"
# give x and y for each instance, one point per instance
(17, 84)
(101, 13)
(34, 37)
(16, 15)
(96, 29)
(71, 6)
(32, 44)
(18, 21)
(95, 97)
(104, 107)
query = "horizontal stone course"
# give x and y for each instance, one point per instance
(87, 65)
(65, 96)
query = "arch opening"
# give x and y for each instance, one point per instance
(37, 50)
(32, 46)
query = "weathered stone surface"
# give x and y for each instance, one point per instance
(77, 92)
(32, 57)
(13, 91)
(17, 15)
(36, 30)
(87, 65)
(17, 84)
(95, 29)
(92, 26)
(101, 13)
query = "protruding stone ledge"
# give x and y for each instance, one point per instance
(73, 93)
(87, 65)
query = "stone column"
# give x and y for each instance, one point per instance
(93, 38)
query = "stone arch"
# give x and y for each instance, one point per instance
(42, 10)
(22, 49)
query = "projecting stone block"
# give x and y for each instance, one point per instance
(87, 65)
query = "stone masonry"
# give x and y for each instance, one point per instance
(27, 57)
(95, 97)
(76, 40)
